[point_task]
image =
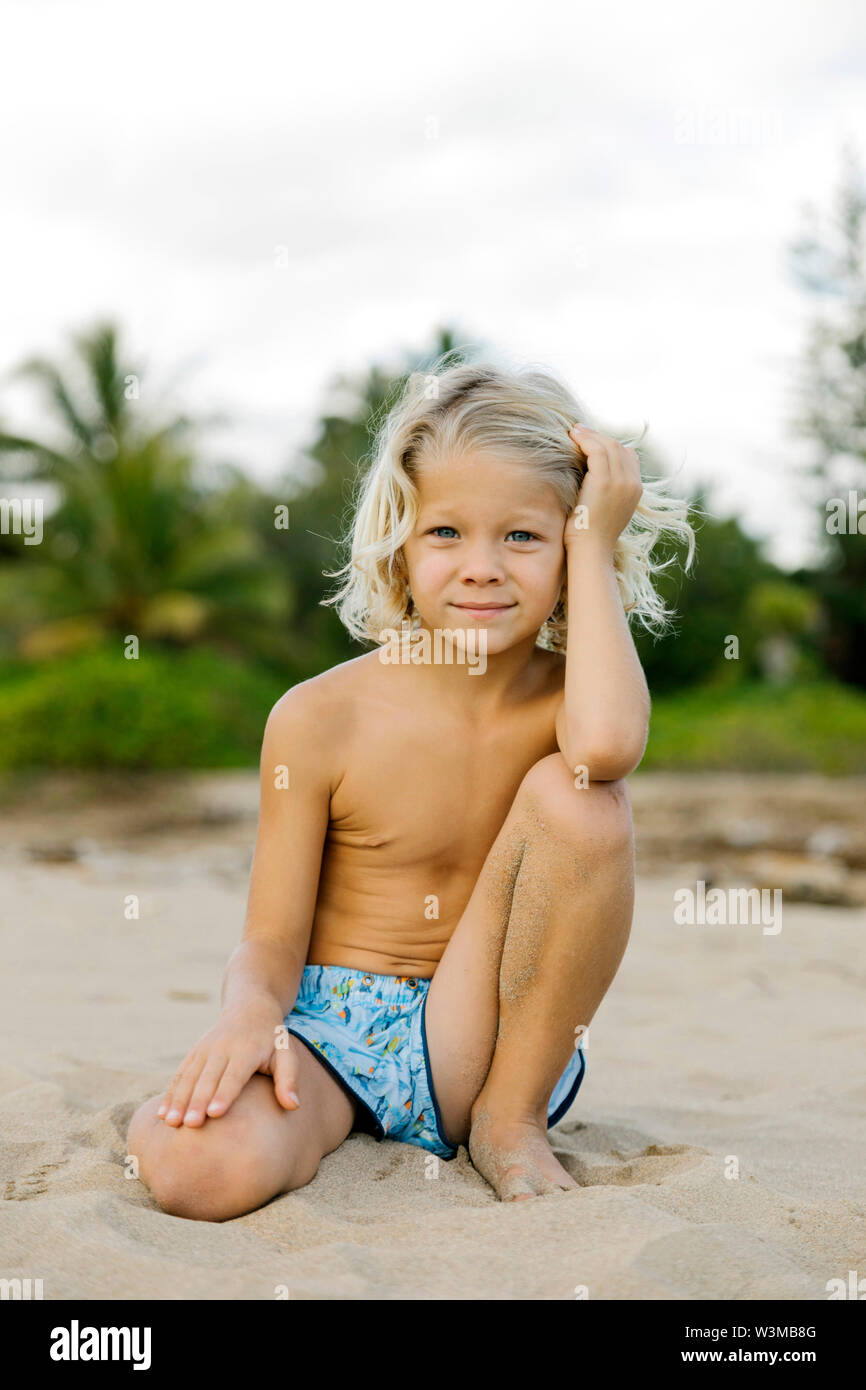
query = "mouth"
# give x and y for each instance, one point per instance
(483, 610)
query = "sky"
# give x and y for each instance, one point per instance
(268, 195)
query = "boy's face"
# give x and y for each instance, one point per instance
(487, 549)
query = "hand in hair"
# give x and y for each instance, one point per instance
(609, 493)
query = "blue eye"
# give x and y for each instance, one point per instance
(523, 537)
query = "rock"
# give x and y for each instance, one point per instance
(743, 834)
(803, 879)
(57, 853)
(828, 839)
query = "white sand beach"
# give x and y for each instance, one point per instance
(718, 1138)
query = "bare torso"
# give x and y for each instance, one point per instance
(425, 783)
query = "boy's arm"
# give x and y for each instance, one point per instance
(293, 821)
(603, 719)
(263, 974)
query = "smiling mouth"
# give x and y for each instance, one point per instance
(484, 607)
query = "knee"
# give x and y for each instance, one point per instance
(598, 813)
(188, 1179)
(186, 1172)
(183, 1188)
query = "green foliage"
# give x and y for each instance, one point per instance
(168, 709)
(817, 726)
(830, 264)
(840, 587)
(779, 606)
(228, 605)
(138, 542)
(712, 604)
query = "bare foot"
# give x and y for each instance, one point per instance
(515, 1158)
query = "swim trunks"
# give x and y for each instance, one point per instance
(368, 1031)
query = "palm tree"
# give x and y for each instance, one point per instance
(138, 543)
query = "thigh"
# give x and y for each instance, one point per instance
(462, 1018)
(462, 1009)
(238, 1161)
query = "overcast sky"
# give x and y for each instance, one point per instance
(610, 190)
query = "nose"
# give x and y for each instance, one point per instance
(482, 566)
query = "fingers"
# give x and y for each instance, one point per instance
(284, 1067)
(599, 448)
(231, 1083)
(166, 1100)
(213, 1074)
(204, 1090)
(174, 1106)
(608, 459)
(594, 448)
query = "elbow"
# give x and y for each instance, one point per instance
(603, 759)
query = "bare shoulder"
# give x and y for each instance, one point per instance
(316, 717)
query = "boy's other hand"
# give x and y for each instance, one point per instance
(247, 1040)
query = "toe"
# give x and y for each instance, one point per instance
(516, 1185)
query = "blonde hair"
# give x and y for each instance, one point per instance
(521, 413)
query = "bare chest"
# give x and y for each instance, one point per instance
(434, 797)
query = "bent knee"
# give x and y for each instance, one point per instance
(221, 1169)
(189, 1172)
(190, 1175)
(598, 811)
(178, 1191)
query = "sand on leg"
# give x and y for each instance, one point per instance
(533, 955)
(256, 1150)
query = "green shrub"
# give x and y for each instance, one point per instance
(818, 726)
(97, 710)
(199, 708)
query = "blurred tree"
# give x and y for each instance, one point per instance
(831, 392)
(136, 543)
(712, 605)
(787, 616)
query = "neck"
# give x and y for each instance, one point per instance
(465, 673)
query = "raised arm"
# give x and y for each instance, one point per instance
(603, 720)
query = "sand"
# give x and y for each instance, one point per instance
(717, 1139)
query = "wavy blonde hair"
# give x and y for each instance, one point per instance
(521, 413)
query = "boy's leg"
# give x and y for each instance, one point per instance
(239, 1161)
(531, 958)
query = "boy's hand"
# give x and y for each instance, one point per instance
(610, 491)
(214, 1072)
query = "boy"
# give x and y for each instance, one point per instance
(442, 887)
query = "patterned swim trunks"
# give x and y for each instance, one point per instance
(368, 1030)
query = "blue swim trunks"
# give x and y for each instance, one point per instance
(368, 1030)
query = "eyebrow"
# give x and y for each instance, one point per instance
(521, 508)
(519, 521)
